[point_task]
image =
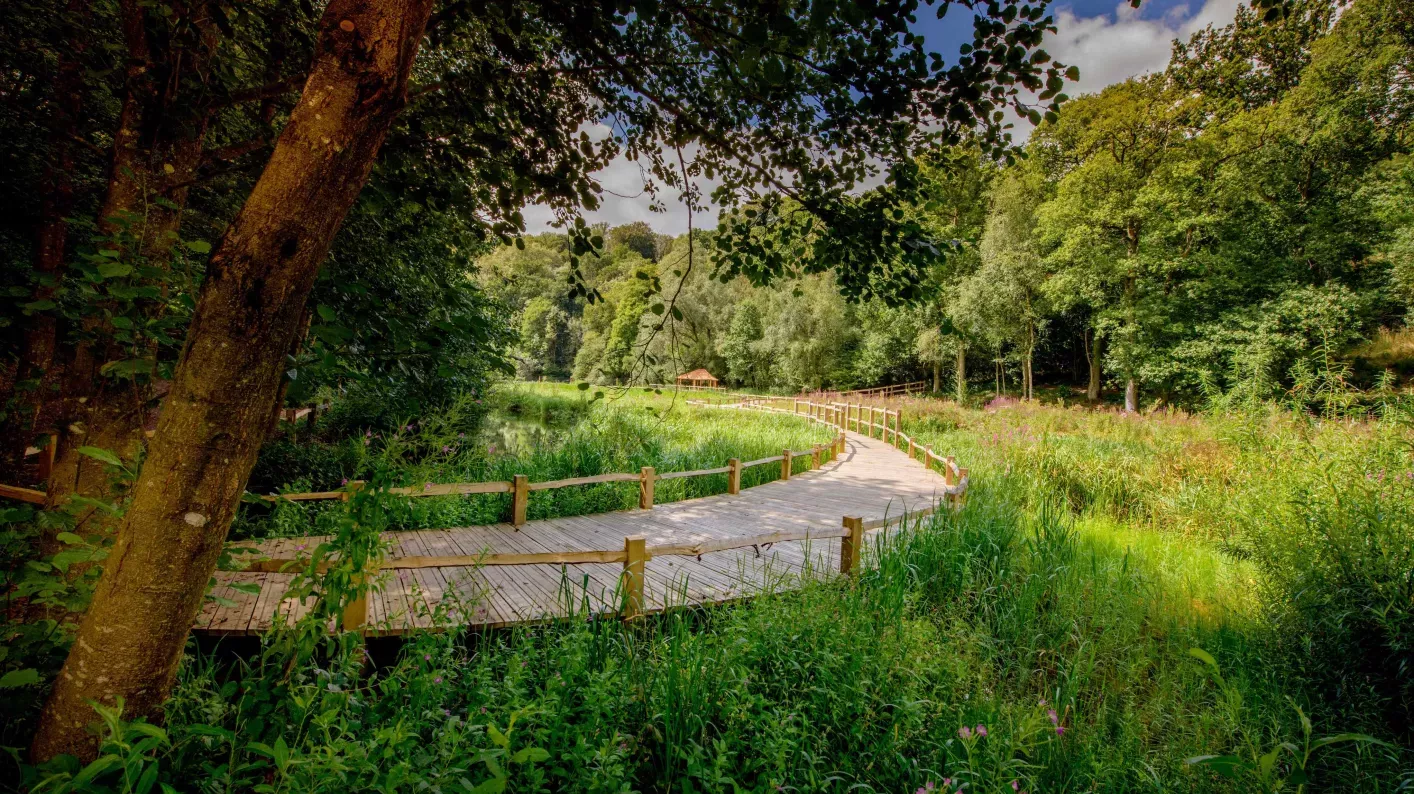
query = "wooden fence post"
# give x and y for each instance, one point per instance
(928, 457)
(815, 457)
(520, 494)
(46, 458)
(734, 476)
(949, 480)
(897, 416)
(851, 544)
(356, 611)
(785, 465)
(646, 476)
(635, 547)
(911, 455)
(795, 406)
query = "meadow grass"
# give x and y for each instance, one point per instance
(1119, 596)
(577, 436)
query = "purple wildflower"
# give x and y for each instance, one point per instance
(1060, 730)
(981, 730)
(427, 486)
(427, 657)
(1015, 786)
(1052, 714)
(446, 448)
(437, 680)
(344, 481)
(965, 732)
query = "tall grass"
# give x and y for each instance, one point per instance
(1120, 596)
(1067, 641)
(585, 436)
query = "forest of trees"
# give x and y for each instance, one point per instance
(1239, 225)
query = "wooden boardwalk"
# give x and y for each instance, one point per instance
(871, 479)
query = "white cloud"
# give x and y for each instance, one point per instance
(1107, 48)
(1111, 48)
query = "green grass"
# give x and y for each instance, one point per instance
(1095, 553)
(580, 436)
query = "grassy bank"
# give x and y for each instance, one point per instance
(544, 431)
(1121, 595)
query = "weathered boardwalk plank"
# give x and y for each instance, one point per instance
(871, 479)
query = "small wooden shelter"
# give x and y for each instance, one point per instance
(697, 379)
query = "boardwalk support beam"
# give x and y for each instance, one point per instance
(734, 476)
(785, 465)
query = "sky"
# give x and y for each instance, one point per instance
(1109, 41)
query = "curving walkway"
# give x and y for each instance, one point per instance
(871, 480)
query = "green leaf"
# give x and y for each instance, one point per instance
(533, 755)
(98, 453)
(114, 269)
(1225, 765)
(39, 306)
(17, 678)
(326, 313)
(199, 246)
(68, 538)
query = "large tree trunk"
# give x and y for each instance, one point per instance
(937, 376)
(35, 374)
(1131, 395)
(223, 391)
(1092, 357)
(960, 374)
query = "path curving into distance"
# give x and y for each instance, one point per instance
(871, 480)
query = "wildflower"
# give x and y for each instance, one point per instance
(1041, 702)
(437, 680)
(461, 435)
(446, 448)
(301, 546)
(981, 730)
(1060, 730)
(344, 482)
(1015, 786)
(446, 712)
(427, 486)
(427, 657)
(1052, 714)
(491, 449)
(965, 732)
(407, 427)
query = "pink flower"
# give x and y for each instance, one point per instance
(344, 481)
(965, 732)
(446, 448)
(437, 680)
(427, 657)
(427, 486)
(1060, 730)
(491, 449)
(1015, 786)
(1052, 714)
(981, 730)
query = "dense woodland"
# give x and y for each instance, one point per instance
(1235, 228)
(219, 216)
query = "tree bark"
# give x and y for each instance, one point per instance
(1131, 395)
(937, 375)
(960, 374)
(223, 391)
(1092, 357)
